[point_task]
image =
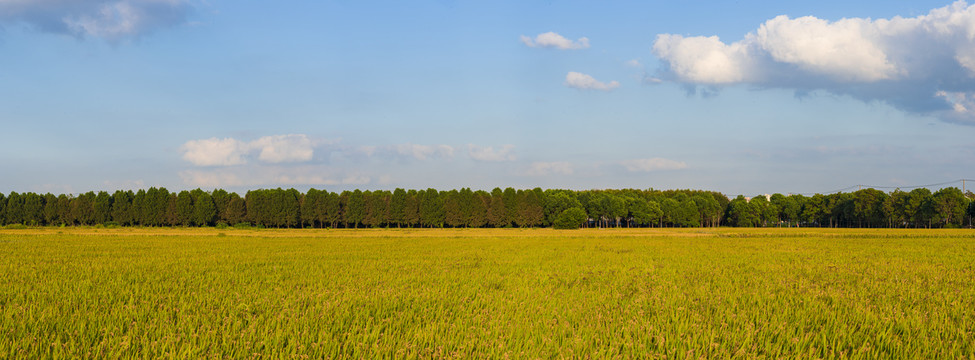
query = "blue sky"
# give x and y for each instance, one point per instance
(744, 97)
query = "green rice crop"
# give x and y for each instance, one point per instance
(513, 293)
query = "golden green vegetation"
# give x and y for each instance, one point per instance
(650, 293)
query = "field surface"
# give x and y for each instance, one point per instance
(650, 293)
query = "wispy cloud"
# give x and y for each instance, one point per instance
(271, 176)
(585, 82)
(550, 168)
(923, 65)
(489, 153)
(652, 164)
(109, 20)
(554, 40)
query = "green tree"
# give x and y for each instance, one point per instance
(311, 207)
(236, 212)
(431, 208)
(531, 212)
(50, 209)
(411, 211)
(510, 197)
(64, 210)
(571, 218)
(496, 209)
(204, 210)
(480, 200)
(184, 208)
(868, 207)
(558, 201)
(452, 208)
(709, 210)
(82, 210)
(377, 208)
(354, 210)
(331, 209)
(918, 207)
(949, 205)
(892, 210)
(122, 209)
(742, 214)
(14, 211)
(397, 207)
(670, 209)
(102, 207)
(221, 199)
(33, 209)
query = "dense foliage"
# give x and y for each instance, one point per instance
(465, 208)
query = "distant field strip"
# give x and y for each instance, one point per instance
(519, 293)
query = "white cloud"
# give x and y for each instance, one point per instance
(550, 168)
(229, 151)
(284, 148)
(703, 59)
(554, 40)
(215, 152)
(652, 164)
(585, 82)
(923, 65)
(423, 152)
(110, 20)
(634, 63)
(490, 154)
(849, 49)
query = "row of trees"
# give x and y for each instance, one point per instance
(947, 207)
(431, 208)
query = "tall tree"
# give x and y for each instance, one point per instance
(204, 210)
(354, 210)
(82, 210)
(102, 207)
(949, 205)
(14, 211)
(332, 209)
(184, 208)
(478, 211)
(122, 212)
(431, 208)
(411, 212)
(397, 207)
(452, 204)
(221, 200)
(531, 212)
(236, 212)
(496, 213)
(510, 197)
(50, 209)
(311, 207)
(33, 209)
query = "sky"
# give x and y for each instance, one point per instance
(742, 97)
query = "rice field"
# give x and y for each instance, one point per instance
(512, 293)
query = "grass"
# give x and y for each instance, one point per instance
(518, 293)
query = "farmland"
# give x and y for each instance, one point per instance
(519, 293)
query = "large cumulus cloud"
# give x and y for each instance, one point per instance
(923, 65)
(112, 20)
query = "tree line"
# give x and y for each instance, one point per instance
(466, 208)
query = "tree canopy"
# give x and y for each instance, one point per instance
(464, 208)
